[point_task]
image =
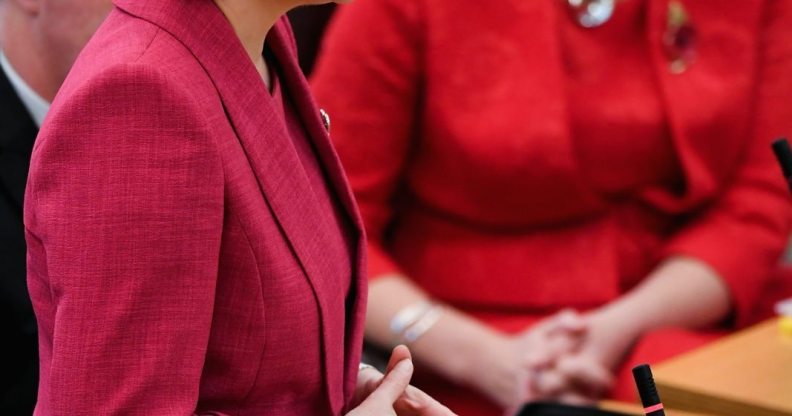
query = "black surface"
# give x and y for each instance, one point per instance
(784, 157)
(308, 24)
(552, 409)
(19, 356)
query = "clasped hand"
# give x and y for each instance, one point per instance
(567, 358)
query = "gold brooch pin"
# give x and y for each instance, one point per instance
(679, 40)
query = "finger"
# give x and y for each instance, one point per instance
(587, 373)
(568, 320)
(393, 384)
(550, 383)
(525, 392)
(513, 411)
(416, 402)
(368, 380)
(399, 353)
(575, 399)
(538, 358)
(559, 344)
(544, 354)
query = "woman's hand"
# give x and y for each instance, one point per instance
(391, 394)
(700, 298)
(505, 368)
(586, 374)
(575, 379)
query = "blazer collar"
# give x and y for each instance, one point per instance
(203, 29)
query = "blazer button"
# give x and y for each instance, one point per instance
(325, 119)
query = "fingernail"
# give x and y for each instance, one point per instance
(406, 364)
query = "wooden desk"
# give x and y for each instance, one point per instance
(746, 374)
(637, 410)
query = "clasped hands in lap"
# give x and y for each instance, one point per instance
(567, 357)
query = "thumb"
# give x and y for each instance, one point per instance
(399, 353)
(393, 384)
(568, 320)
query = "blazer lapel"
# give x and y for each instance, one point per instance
(718, 76)
(204, 30)
(17, 134)
(282, 45)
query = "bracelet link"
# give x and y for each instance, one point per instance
(413, 321)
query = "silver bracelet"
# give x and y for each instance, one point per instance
(414, 321)
(424, 324)
(408, 316)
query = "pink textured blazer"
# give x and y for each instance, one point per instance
(178, 263)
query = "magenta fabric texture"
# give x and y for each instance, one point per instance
(179, 262)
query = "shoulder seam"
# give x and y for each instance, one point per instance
(148, 45)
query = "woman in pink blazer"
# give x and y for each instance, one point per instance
(193, 244)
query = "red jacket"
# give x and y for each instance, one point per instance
(452, 121)
(178, 264)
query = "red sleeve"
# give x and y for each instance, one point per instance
(744, 232)
(369, 76)
(124, 214)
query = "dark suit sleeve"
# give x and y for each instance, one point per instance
(124, 213)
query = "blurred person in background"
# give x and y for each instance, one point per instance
(39, 41)
(515, 158)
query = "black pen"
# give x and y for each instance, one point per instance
(647, 390)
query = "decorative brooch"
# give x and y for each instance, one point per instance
(679, 40)
(591, 13)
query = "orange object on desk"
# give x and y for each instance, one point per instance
(637, 410)
(746, 374)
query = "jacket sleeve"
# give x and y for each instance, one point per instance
(124, 214)
(742, 235)
(369, 75)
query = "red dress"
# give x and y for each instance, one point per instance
(512, 163)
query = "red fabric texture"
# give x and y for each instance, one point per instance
(616, 115)
(326, 201)
(180, 261)
(460, 127)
